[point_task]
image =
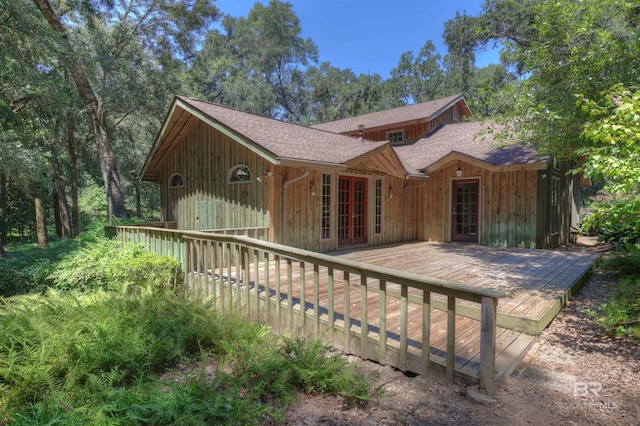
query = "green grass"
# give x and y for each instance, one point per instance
(107, 345)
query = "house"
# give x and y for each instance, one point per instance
(416, 172)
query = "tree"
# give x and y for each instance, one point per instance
(112, 51)
(418, 79)
(613, 154)
(560, 50)
(257, 63)
(460, 62)
(484, 95)
(4, 212)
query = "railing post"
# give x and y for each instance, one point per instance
(426, 330)
(451, 338)
(404, 319)
(383, 322)
(488, 310)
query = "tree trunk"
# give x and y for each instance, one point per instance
(1, 248)
(92, 104)
(56, 214)
(138, 201)
(41, 223)
(73, 174)
(62, 205)
(4, 209)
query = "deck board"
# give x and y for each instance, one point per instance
(537, 284)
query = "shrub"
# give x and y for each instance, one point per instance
(63, 349)
(26, 267)
(105, 358)
(616, 219)
(109, 265)
(620, 315)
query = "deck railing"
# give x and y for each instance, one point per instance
(167, 241)
(351, 305)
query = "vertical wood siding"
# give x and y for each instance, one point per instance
(514, 204)
(508, 205)
(569, 185)
(207, 200)
(303, 213)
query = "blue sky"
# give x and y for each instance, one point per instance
(369, 36)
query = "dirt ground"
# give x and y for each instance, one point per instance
(573, 375)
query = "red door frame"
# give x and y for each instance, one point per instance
(352, 210)
(465, 210)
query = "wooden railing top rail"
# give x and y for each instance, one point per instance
(449, 288)
(246, 228)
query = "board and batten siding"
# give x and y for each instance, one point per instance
(508, 205)
(207, 200)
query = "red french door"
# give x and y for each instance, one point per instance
(465, 214)
(352, 210)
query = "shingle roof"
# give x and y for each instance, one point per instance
(286, 140)
(463, 138)
(424, 110)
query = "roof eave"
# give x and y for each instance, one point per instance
(454, 155)
(156, 143)
(298, 162)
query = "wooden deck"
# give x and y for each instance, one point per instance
(537, 283)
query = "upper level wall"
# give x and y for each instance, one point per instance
(416, 129)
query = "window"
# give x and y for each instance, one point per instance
(378, 208)
(240, 174)
(326, 207)
(176, 181)
(395, 136)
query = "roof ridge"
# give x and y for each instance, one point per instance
(270, 118)
(408, 106)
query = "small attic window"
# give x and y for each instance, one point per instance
(240, 173)
(395, 136)
(456, 113)
(176, 181)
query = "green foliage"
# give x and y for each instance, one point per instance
(318, 368)
(92, 204)
(616, 219)
(115, 344)
(109, 265)
(108, 358)
(620, 315)
(421, 78)
(613, 155)
(89, 263)
(62, 349)
(613, 129)
(26, 268)
(559, 50)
